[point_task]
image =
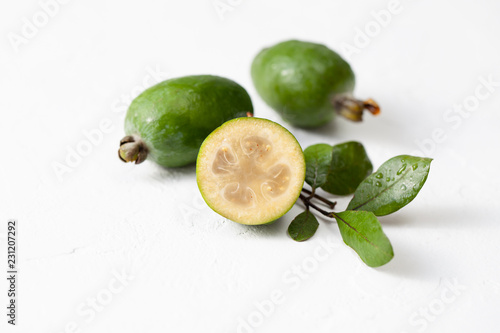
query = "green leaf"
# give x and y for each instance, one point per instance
(349, 166)
(318, 158)
(395, 184)
(303, 226)
(363, 233)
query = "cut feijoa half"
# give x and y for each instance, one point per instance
(250, 170)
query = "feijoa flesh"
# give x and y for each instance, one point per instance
(250, 170)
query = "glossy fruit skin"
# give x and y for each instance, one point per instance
(298, 79)
(175, 116)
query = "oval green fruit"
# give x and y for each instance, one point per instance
(168, 122)
(306, 82)
(250, 170)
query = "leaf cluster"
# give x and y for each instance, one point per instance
(345, 169)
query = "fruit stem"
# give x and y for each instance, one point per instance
(320, 198)
(307, 202)
(352, 108)
(249, 114)
(132, 149)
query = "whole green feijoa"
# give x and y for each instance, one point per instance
(168, 122)
(306, 82)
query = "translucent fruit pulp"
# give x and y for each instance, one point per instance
(251, 171)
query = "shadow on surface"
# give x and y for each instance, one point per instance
(277, 228)
(438, 217)
(159, 172)
(407, 262)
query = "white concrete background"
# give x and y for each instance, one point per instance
(190, 270)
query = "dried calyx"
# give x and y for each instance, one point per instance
(132, 149)
(352, 108)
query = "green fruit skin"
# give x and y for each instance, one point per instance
(175, 116)
(298, 80)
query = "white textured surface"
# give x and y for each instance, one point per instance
(193, 270)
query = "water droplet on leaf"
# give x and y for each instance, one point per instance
(400, 171)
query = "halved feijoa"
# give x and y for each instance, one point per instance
(250, 170)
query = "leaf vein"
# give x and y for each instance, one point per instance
(362, 236)
(381, 192)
